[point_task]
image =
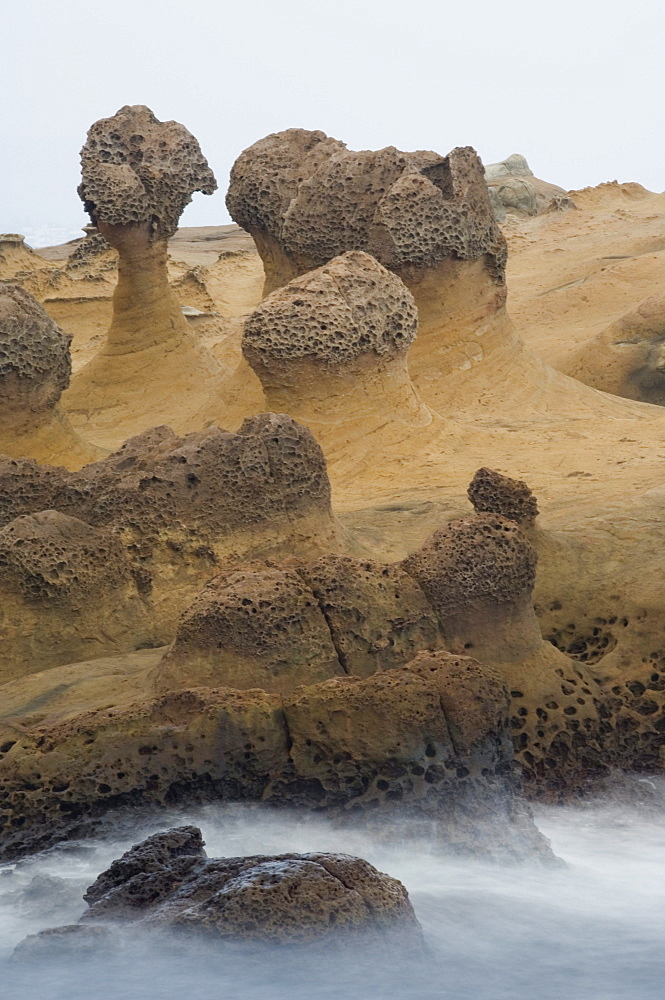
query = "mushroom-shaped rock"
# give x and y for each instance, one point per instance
(138, 174)
(251, 628)
(35, 368)
(479, 573)
(430, 219)
(492, 493)
(168, 881)
(330, 347)
(378, 616)
(67, 594)
(322, 199)
(136, 169)
(627, 358)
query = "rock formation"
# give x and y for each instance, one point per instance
(513, 189)
(427, 744)
(138, 174)
(428, 218)
(330, 348)
(251, 629)
(627, 358)
(479, 573)
(168, 882)
(35, 368)
(67, 593)
(181, 505)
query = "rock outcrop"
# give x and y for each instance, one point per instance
(479, 573)
(247, 629)
(35, 369)
(138, 174)
(67, 593)
(627, 358)
(168, 883)
(181, 506)
(427, 744)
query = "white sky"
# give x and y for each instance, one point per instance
(577, 86)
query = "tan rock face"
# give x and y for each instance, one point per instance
(481, 558)
(136, 169)
(378, 616)
(67, 594)
(178, 506)
(35, 368)
(628, 357)
(346, 744)
(251, 629)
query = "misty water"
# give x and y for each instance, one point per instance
(592, 929)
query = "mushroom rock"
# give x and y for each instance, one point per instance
(627, 358)
(378, 616)
(35, 368)
(428, 218)
(66, 593)
(479, 573)
(332, 345)
(251, 628)
(138, 174)
(330, 348)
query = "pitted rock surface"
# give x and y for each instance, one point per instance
(486, 557)
(50, 556)
(211, 480)
(260, 627)
(32, 346)
(378, 616)
(136, 169)
(167, 881)
(492, 493)
(404, 208)
(348, 307)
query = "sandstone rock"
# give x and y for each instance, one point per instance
(66, 593)
(411, 208)
(330, 347)
(627, 358)
(258, 628)
(138, 174)
(35, 368)
(492, 493)
(168, 882)
(136, 169)
(377, 615)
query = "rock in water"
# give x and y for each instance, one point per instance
(167, 882)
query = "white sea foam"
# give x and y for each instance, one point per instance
(592, 930)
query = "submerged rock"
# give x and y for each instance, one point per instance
(168, 883)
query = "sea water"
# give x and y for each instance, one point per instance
(592, 928)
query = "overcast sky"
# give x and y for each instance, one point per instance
(575, 85)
